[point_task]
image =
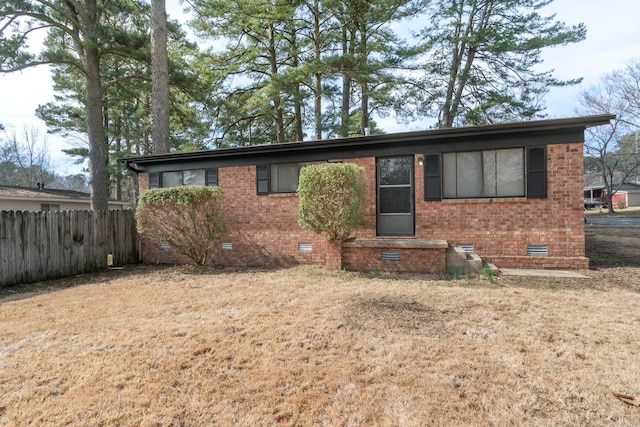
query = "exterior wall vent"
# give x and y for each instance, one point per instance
(164, 245)
(390, 256)
(468, 248)
(305, 246)
(226, 246)
(537, 250)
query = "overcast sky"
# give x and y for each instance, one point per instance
(613, 39)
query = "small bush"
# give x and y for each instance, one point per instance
(620, 203)
(332, 198)
(189, 218)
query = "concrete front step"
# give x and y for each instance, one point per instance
(411, 255)
(462, 262)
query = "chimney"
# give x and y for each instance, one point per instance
(40, 185)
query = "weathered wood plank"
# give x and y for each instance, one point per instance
(18, 234)
(5, 225)
(28, 243)
(46, 245)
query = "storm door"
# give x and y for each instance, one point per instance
(395, 205)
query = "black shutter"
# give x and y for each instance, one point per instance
(211, 176)
(432, 181)
(537, 172)
(154, 180)
(262, 179)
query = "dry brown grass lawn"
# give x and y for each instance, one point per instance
(183, 346)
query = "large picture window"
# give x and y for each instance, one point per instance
(278, 177)
(184, 177)
(284, 177)
(489, 173)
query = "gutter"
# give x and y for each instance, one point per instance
(127, 165)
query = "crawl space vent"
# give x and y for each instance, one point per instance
(537, 250)
(304, 246)
(468, 248)
(226, 246)
(390, 256)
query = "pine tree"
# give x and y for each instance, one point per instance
(84, 37)
(483, 57)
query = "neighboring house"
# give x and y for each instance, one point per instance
(507, 192)
(44, 199)
(593, 191)
(595, 194)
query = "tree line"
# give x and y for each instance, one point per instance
(271, 71)
(25, 161)
(612, 152)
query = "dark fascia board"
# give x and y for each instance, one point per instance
(540, 132)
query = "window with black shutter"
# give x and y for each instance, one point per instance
(262, 179)
(183, 177)
(279, 177)
(486, 173)
(211, 176)
(432, 187)
(536, 172)
(154, 180)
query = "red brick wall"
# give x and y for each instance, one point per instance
(261, 229)
(264, 229)
(411, 260)
(501, 228)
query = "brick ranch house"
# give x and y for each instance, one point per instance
(509, 193)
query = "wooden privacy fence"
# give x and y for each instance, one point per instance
(38, 246)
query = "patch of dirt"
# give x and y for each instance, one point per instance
(391, 313)
(613, 246)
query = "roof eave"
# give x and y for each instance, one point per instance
(136, 163)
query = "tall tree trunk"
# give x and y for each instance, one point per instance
(607, 176)
(98, 158)
(89, 54)
(317, 104)
(346, 102)
(297, 111)
(118, 149)
(297, 95)
(448, 113)
(364, 103)
(459, 74)
(277, 103)
(159, 78)
(347, 52)
(317, 76)
(364, 106)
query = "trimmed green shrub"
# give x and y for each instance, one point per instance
(332, 198)
(189, 218)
